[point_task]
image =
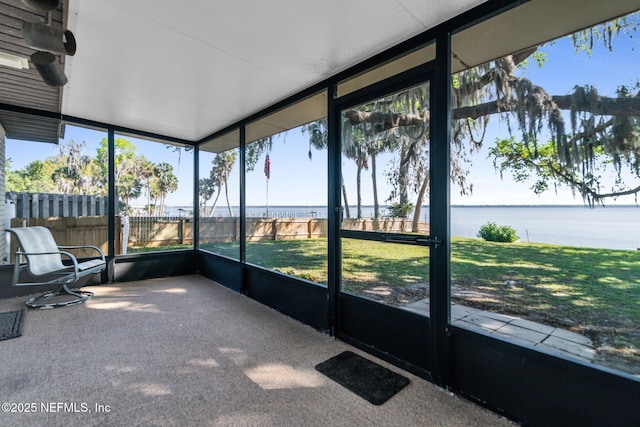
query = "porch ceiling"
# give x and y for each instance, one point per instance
(186, 69)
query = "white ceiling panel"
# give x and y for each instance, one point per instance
(187, 69)
(430, 12)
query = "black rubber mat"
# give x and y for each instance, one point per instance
(367, 379)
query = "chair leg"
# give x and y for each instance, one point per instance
(44, 301)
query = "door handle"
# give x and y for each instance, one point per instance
(412, 239)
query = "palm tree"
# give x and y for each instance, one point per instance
(354, 148)
(164, 182)
(318, 139)
(128, 188)
(127, 169)
(147, 170)
(220, 173)
(375, 147)
(206, 188)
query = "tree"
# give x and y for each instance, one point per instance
(370, 139)
(318, 138)
(73, 172)
(147, 171)
(164, 182)
(375, 147)
(33, 178)
(383, 126)
(206, 188)
(377, 128)
(68, 172)
(125, 158)
(128, 188)
(589, 133)
(76, 173)
(355, 148)
(220, 173)
(134, 174)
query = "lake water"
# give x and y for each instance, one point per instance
(612, 227)
(600, 227)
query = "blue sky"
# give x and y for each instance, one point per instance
(297, 180)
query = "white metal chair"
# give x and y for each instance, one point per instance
(44, 263)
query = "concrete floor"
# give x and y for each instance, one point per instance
(517, 330)
(184, 350)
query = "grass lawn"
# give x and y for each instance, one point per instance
(595, 292)
(558, 282)
(591, 291)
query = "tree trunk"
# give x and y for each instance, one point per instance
(415, 226)
(403, 175)
(148, 198)
(226, 194)
(376, 205)
(344, 197)
(359, 190)
(215, 202)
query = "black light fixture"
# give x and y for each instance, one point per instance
(42, 5)
(49, 68)
(45, 37)
(48, 41)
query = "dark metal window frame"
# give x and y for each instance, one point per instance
(501, 375)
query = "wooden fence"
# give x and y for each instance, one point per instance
(30, 205)
(391, 225)
(227, 229)
(160, 231)
(83, 220)
(157, 232)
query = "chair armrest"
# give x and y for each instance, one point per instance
(73, 259)
(85, 247)
(67, 254)
(40, 253)
(70, 255)
(74, 271)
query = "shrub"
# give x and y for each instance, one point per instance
(400, 210)
(292, 272)
(494, 233)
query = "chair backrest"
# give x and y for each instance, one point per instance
(37, 240)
